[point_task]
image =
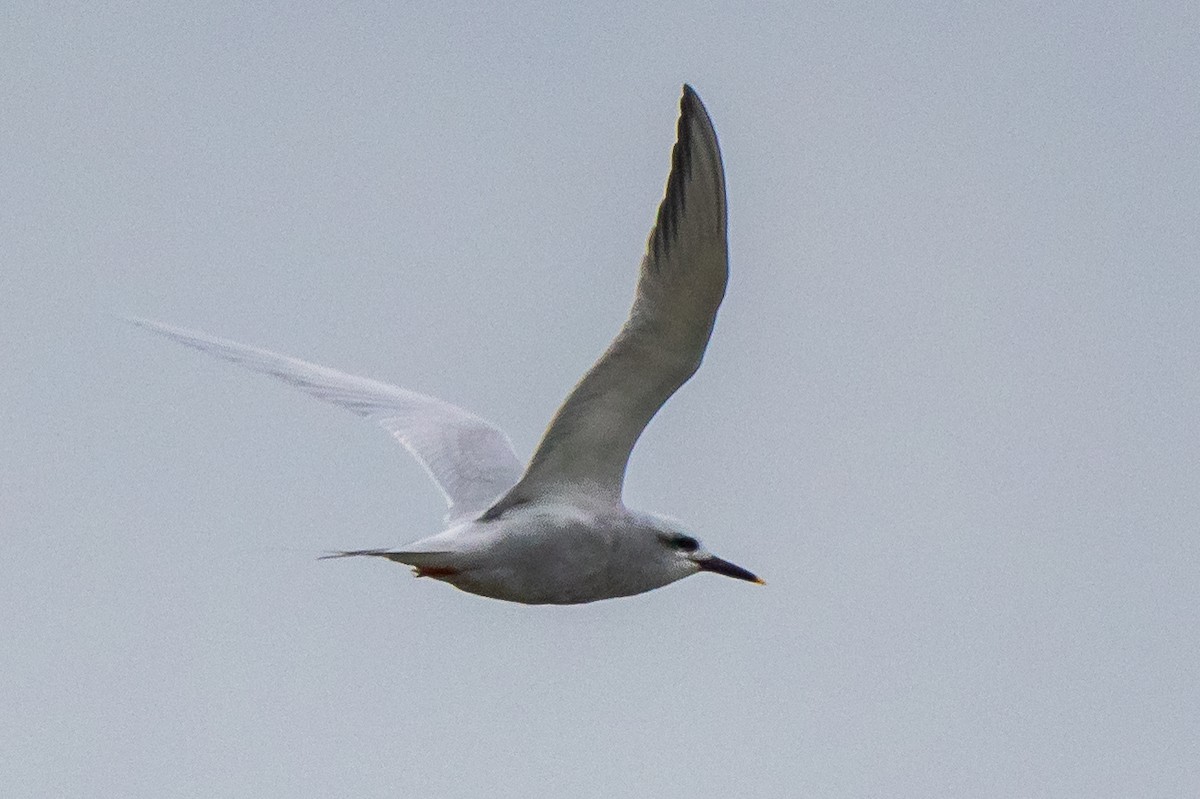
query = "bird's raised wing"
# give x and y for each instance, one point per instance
(682, 282)
(471, 461)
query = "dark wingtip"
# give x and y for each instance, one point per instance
(690, 104)
(671, 207)
(692, 130)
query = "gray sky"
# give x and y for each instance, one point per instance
(949, 412)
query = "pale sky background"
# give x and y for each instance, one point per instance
(951, 411)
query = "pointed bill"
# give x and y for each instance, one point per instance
(721, 566)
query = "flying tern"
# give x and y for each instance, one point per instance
(557, 531)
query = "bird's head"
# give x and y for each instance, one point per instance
(685, 553)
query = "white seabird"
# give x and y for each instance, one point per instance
(557, 531)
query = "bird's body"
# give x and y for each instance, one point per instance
(557, 531)
(550, 553)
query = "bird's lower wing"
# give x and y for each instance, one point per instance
(681, 284)
(471, 461)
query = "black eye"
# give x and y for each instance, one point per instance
(685, 542)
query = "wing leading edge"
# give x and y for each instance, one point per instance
(681, 284)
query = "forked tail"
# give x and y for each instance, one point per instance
(424, 564)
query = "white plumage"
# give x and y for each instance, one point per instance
(557, 532)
